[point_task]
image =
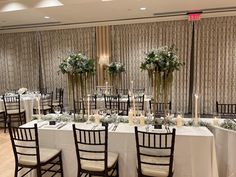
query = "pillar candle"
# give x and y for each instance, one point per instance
(179, 121)
(106, 91)
(130, 117)
(196, 109)
(88, 107)
(142, 120)
(215, 121)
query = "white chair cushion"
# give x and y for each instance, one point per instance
(15, 111)
(155, 170)
(97, 165)
(45, 155)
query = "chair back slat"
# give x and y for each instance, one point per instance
(25, 142)
(81, 106)
(152, 146)
(159, 107)
(91, 145)
(12, 102)
(226, 109)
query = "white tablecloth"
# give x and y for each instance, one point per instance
(194, 152)
(225, 150)
(27, 102)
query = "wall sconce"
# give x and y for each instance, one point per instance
(104, 60)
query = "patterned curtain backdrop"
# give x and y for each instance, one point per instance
(131, 42)
(56, 45)
(19, 61)
(215, 62)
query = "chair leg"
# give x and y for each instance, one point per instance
(61, 165)
(5, 123)
(117, 170)
(16, 170)
(39, 172)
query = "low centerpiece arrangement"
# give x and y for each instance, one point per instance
(79, 69)
(160, 65)
(115, 69)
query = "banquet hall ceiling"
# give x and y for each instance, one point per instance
(30, 13)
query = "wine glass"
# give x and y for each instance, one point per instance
(57, 110)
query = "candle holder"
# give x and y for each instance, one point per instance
(196, 109)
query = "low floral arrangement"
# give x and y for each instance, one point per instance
(115, 68)
(22, 91)
(228, 124)
(77, 64)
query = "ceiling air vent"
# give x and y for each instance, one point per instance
(30, 25)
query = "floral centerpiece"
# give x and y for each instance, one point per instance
(22, 91)
(79, 69)
(160, 64)
(114, 70)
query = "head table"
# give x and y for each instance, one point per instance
(194, 150)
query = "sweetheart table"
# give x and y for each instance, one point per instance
(194, 151)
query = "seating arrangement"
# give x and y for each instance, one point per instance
(59, 96)
(159, 108)
(93, 158)
(28, 154)
(100, 90)
(139, 102)
(13, 109)
(81, 106)
(122, 92)
(46, 101)
(114, 102)
(155, 153)
(226, 110)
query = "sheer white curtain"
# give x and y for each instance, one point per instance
(215, 62)
(19, 61)
(131, 42)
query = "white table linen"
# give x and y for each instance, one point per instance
(194, 152)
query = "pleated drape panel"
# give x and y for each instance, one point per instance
(215, 58)
(19, 61)
(131, 42)
(56, 45)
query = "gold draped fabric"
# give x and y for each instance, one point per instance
(19, 61)
(131, 42)
(215, 62)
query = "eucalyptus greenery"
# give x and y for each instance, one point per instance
(228, 124)
(115, 68)
(77, 64)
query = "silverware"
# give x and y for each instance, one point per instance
(62, 125)
(115, 127)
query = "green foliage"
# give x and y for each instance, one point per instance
(164, 59)
(115, 68)
(77, 64)
(228, 124)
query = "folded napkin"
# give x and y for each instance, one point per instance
(57, 125)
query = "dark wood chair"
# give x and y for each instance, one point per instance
(81, 106)
(112, 102)
(3, 119)
(93, 158)
(59, 96)
(13, 110)
(155, 153)
(28, 154)
(139, 91)
(121, 92)
(46, 101)
(43, 90)
(139, 102)
(123, 108)
(100, 90)
(226, 110)
(159, 108)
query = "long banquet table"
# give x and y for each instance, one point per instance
(194, 151)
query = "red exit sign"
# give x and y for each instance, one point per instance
(194, 16)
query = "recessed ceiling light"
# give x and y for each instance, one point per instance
(48, 3)
(143, 8)
(47, 17)
(106, 0)
(13, 6)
